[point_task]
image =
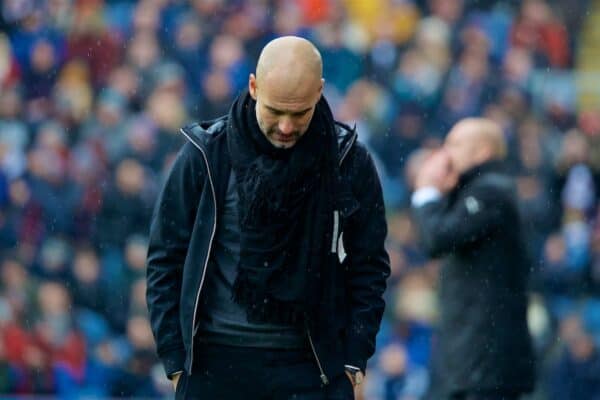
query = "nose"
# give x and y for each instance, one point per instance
(286, 127)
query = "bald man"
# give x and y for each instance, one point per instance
(266, 264)
(466, 210)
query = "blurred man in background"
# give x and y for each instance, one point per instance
(466, 209)
(266, 263)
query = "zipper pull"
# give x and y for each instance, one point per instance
(324, 379)
(312, 346)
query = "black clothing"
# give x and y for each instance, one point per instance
(181, 240)
(486, 396)
(483, 341)
(221, 320)
(233, 373)
(285, 211)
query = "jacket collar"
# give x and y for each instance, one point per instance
(203, 133)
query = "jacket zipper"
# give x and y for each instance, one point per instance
(209, 247)
(348, 147)
(324, 378)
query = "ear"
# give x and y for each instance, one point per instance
(321, 87)
(252, 86)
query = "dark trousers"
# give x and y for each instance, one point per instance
(236, 373)
(486, 396)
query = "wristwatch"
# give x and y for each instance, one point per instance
(355, 373)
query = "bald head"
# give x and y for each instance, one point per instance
(483, 132)
(473, 141)
(287, 86)
(289, 58)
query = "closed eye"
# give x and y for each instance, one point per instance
(296, 114)
(274, 111)
(300, 113)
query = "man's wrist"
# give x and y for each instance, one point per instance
(355, 374)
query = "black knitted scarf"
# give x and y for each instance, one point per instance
(286, 202)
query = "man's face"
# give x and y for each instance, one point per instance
(284, 115)
(460, 147)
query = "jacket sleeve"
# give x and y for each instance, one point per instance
(368, 262)
(170, 231)
(447, 227)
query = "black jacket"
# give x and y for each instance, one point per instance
(483, 341)
(184, 224)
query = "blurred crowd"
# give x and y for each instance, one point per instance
(92, 95)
